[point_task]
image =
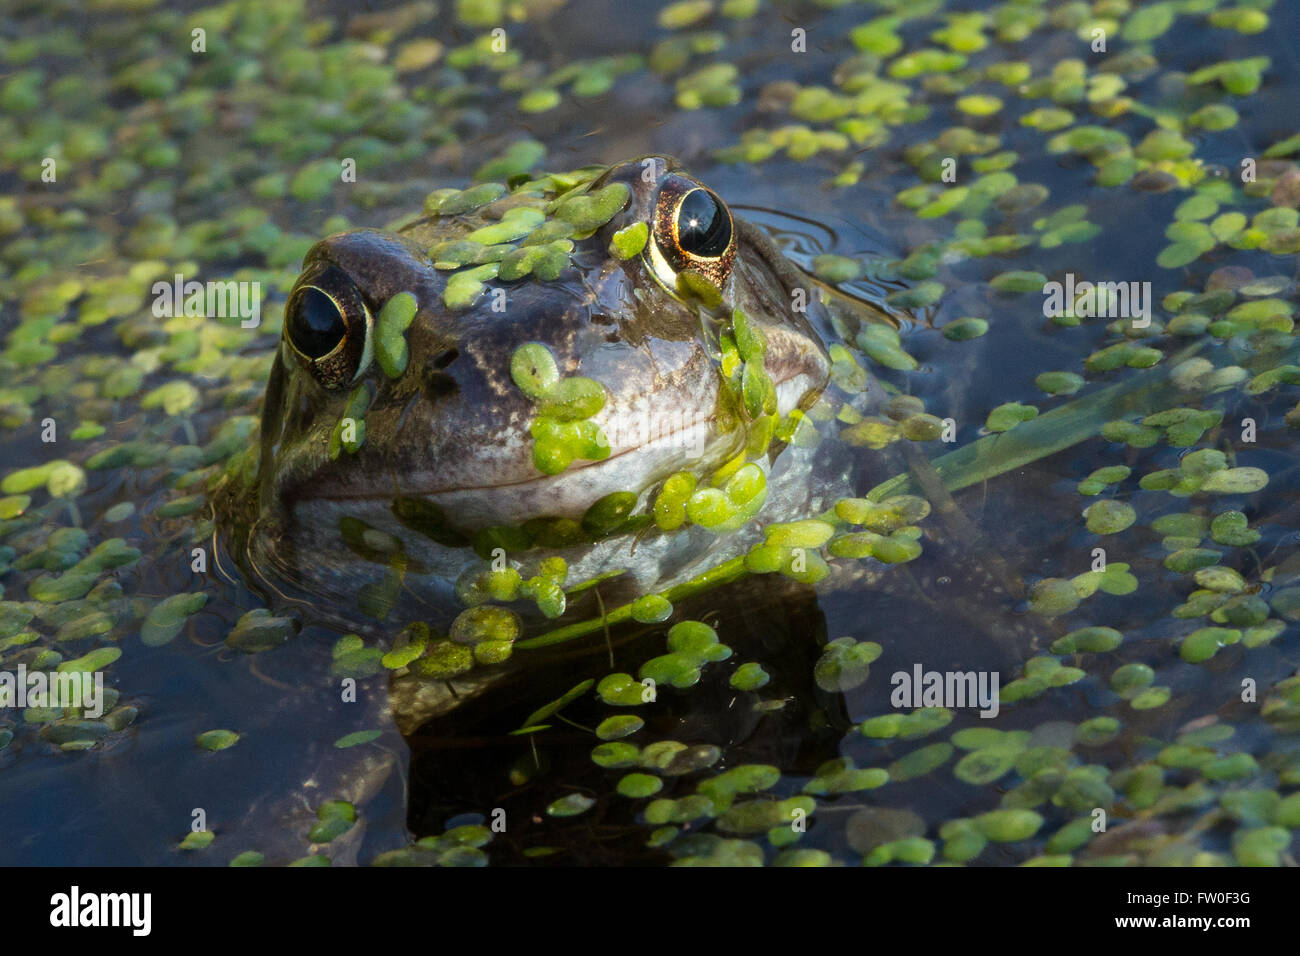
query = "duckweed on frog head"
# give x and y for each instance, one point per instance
(535, 370)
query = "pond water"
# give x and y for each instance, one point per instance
(1125, 563)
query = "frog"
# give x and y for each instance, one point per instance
(617, 413)
(448, 459)
(675, 332)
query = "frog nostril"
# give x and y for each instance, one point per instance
(436, 382)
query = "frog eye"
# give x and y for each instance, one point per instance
(316, 326)
(327, 325)
(702, 225)
(692, 230)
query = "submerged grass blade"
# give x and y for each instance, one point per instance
(1047, 434)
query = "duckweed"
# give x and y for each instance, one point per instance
(621, 690)
(563, 429)
(639, 785)
(391, 324)
(629, 241)
(845, 663)
(217, 739)
(570, 805)
(616, 755)
(691, 645)
(920, 762)
(1008, 416)
(197, 840)
(168, 616)
(1088, 639)
(965, 328)
(1109, 516)
(1019, 281)
(750, 676)
(621, 725)
(588, 212)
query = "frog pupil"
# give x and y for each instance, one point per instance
(317, 326)
(703, 228)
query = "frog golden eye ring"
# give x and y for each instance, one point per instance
(327, 326)
(693, 229)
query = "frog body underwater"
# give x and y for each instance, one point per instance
(547, 415)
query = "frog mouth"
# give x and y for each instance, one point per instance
(571, 492)
(644, 452)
